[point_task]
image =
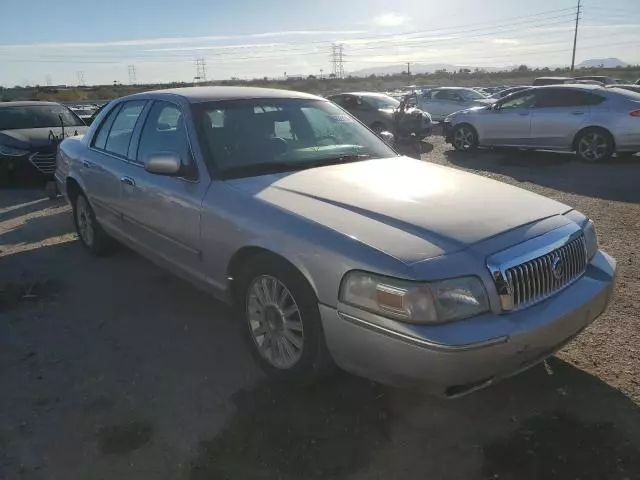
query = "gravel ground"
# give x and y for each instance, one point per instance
(112, 368)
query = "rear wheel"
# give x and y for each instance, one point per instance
(465, 138)
(91, 234)
(594, 145)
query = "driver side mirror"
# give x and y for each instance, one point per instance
(163, 163)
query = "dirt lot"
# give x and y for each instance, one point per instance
(113, 369)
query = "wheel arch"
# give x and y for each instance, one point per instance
(246, 253)
(73, 189)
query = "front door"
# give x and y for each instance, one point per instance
(509, 122)
(162, 213)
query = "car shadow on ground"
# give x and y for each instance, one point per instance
(617, 179)
(565, 425)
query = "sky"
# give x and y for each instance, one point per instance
(102, 41)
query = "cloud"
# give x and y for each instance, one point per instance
(389, 20)
(505, 41)
(176, 40)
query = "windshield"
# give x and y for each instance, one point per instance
(382, 102)
(250, 137)
(471, 94)
(37, 116)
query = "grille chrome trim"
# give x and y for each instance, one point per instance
(45, 162)
(537, 269)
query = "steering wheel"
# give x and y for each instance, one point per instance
(330, 137)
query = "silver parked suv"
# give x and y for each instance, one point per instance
(591, 120)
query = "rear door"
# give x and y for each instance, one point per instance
(509, 122)
(104, 164)
(559, 113)
(162, 213)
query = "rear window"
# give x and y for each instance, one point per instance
(626, 93)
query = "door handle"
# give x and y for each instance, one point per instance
(128, 181)
(577, 113)
(86, 164)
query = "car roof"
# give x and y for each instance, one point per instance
(26, 103)
(572, 86)
(210, 94)
(554, 78)
(453, 88)
(367, 94)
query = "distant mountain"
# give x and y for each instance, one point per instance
(602, 63)
(415, 68)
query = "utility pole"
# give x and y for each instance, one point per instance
(322, 74)
(575, 37)
(408, 73)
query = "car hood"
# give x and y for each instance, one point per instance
(38, 137)
(410, 209)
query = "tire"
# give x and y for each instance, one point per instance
(287, 321)
(594, 145)
(379, 127)
(90, 233)
(464, 138)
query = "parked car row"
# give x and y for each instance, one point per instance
(593, 121)
(332, 248)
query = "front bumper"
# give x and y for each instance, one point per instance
(360, 345)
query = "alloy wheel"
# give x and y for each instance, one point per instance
(84, 220)
(593, 147)
(463, 139)
(275, 322)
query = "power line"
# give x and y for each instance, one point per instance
(450, 30)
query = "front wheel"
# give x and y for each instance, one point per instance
(594, 145)
(281, 319)
(465, 138)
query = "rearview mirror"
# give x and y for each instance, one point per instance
(387, 137)
(163, 163)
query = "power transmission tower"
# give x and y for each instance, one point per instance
(131, 69)
(408, 73)
(337, 60)
(81, 79)
(575, 37)
(48, 80)
(201, 70)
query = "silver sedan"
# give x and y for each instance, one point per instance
(331, 246)
(591, 120)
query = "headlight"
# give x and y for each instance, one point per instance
(590, 239)
(12, 152)
(415, 302)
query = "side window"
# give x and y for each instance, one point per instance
(446, 95)
(122, 128)
(100, 139)
(522, 100)
(164, 131)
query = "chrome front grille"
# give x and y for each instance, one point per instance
(45, 162)
(532, 271)
(541, 277)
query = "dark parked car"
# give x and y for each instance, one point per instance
(380, 112)
(29, 136)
